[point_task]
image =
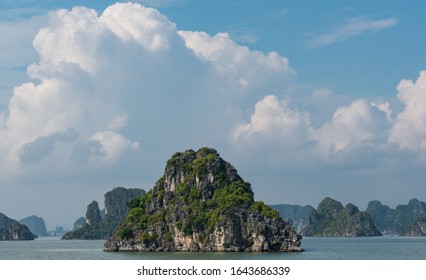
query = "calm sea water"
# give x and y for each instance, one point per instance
(379, 248)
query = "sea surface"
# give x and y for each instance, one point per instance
(317, 248)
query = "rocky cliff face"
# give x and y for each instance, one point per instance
(294, 214)
(79, 223)
(396, 221)
(101, 226)
(332, 219)
(383, 217)
(91, 227)
(202, 204)
(35, 224)
(116, 207)
(93, 215)
(12, 230)
(417, 228)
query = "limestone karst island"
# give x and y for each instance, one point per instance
(11, 229)
(201, 204)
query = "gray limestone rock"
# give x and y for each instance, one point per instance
(12, 230)
(93, 215)
(35, 224)
(396, 221)
(116, 206)
(417, 228)
(332, 219)
(101, 224)
(202, 204)
(294, 214)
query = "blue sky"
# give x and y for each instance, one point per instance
(307, 101)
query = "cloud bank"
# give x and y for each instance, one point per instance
(115, 89)
(113, 84)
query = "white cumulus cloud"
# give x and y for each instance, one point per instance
(143, 25)
(236, 61)
(409, 130)
(113, 145)
(359, 124)
(117, 85)
(273, 118)
(124, 82)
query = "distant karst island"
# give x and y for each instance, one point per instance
(102, 224)
(332, 219)
(201, 204)
(11, 229)
(294, 214)
(35, 224)
(402, 220)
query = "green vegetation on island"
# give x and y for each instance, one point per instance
(398, 220)
(202, 204)
(332, 219)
